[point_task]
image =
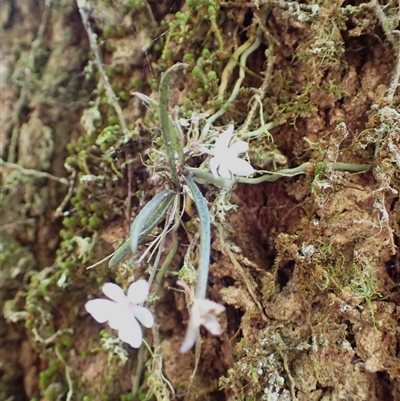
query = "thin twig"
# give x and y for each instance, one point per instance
(286, 365)
(391, 34)
(112, 97)
(50, 339)
(23, 96)
(60, 210)
(395, 81)
(67, 375)
(33, 173)
(239, 268)
(239, 57)
(262, 90)
(101, 261)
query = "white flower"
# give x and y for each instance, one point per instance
(225, 161)
(202, 314)
(123, 311)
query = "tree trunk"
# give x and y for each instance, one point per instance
(304, 253)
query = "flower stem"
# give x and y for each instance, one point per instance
(112, 97)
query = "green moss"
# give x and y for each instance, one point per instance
(66, 341)
(70, 222)
(319, 170)
(66, 265)
(81, 212)
(112, 120)
(136, 81)
(127, 397)
(103, 214)
(123, 95)
(14, 246)
(168, 55)
(158, 47)
(133, 5)
(94, 206)
(189, 58)
(188, 274)
(198, 74)
(94, 223)
(212, 76)
(108, 32)
(85, 354)
(48, 376)
(72, 161)
(84, 221)
(108, 137)
(187, 104)
(70, 147)
(81, 193)
(181, 18)
(205, 53)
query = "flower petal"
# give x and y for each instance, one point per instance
(201, 313)
(138, 291)
(214, 164)
(224, 170)
(101, 309)
(121, 315)
(218, 166)
(190, 338)
(240, 167)
(210, 322)
(144, 316)
(239, 147)
(206, 311)
(131, 333)
(114, 292)
(222, 142)
(204, 306)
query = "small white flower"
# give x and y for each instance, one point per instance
(202, 314)
(123, 311)
(225, 161)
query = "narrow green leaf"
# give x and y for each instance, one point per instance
(145, 215)
(205, 238)
(171, 141)
(149, 225)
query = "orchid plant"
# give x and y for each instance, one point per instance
(123, 311)
(224, 169)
